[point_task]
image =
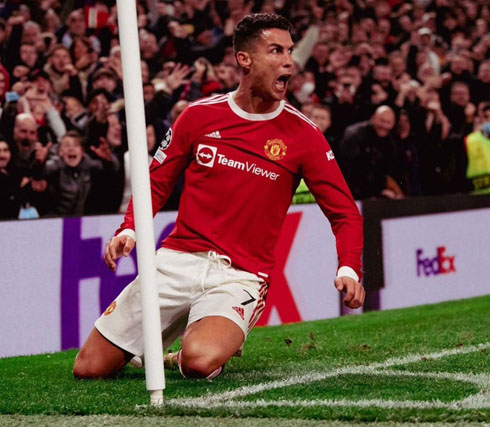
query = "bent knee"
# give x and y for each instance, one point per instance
(198, 363)
(85, 368)
(99, 358)
(198, 367)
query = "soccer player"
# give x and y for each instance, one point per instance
(244, 154)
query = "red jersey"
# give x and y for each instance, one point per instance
(241, 171)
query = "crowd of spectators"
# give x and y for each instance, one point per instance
(395, 86)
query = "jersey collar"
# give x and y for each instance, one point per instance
(255, 117)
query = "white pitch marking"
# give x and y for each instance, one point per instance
(477, 401)
(364, 403)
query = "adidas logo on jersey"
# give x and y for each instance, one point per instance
(214, 134)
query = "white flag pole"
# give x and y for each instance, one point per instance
(140, 184)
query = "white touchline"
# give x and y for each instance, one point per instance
(364, 403)
(475, 401)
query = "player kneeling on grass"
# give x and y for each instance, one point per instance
(244, 154)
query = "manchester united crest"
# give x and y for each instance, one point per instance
(110, 309)
(275, 149)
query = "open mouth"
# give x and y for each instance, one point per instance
(282, 82)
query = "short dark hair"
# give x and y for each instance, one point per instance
(100, 91)
(249, 28)
(73, 134)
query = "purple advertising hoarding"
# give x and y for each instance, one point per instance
(55, 283)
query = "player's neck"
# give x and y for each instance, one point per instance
(253, 104)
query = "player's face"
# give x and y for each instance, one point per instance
(271, 64)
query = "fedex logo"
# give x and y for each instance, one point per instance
(433, 266)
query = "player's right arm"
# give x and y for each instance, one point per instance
(170, 160)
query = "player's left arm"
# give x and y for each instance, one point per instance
(323, 177)
(354, 291)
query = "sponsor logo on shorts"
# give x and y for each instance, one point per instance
(275, 149)
(110, 309)
(330, 155)
(240, 311)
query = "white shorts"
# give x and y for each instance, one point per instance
(191, 286)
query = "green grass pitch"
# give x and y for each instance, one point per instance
(423, 364)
